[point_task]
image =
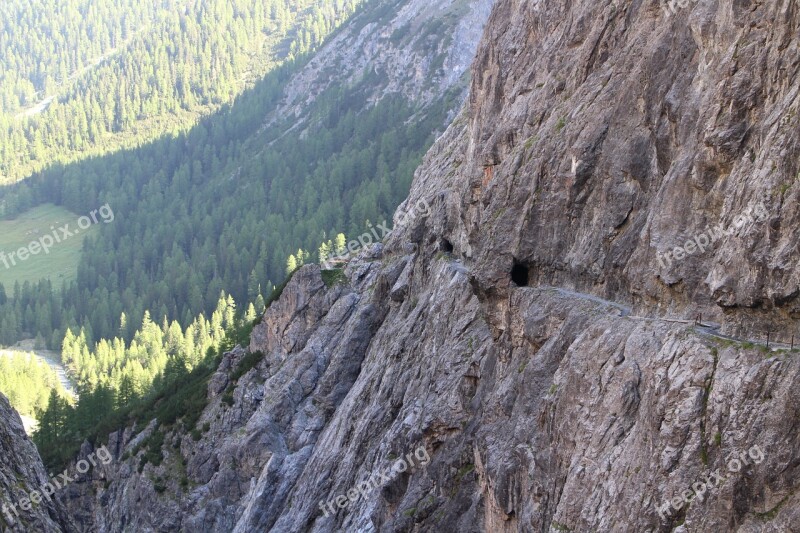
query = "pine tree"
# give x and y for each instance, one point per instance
(229, 315)
(127, 391)
(324, 251)
(341, 244)
(52, 421)
(301, 257)
(250, 315)
(260, 305)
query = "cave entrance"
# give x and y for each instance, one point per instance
(520, 274)
(446, 246)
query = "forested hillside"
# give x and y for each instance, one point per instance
(115, 378)
(219, 207)
(80, 77)
(222, 206)
(233, 234)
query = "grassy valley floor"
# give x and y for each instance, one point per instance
(59, 264)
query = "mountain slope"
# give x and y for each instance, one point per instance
(417, 49)
(541, 408)
(223, 206)
(82, 79)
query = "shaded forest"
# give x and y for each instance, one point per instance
(246, 204)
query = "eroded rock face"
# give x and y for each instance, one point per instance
(22, 473)
(596, 135)
(601, 134)
(576, 417)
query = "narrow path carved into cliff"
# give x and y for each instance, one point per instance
(706, 329)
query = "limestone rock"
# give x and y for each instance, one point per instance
(22, 474)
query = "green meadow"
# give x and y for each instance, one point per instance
(61, 264)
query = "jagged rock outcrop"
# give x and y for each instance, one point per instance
(22, 478)
(596, 134)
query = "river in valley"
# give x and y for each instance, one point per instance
(53, 360)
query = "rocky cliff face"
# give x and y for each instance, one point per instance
(604, 135)
(513, 358)
(22, 478)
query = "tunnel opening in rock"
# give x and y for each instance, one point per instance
(446, 246)
(520, 274)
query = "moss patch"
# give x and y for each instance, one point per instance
(334, 277)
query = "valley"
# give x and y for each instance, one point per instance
(197, 227)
